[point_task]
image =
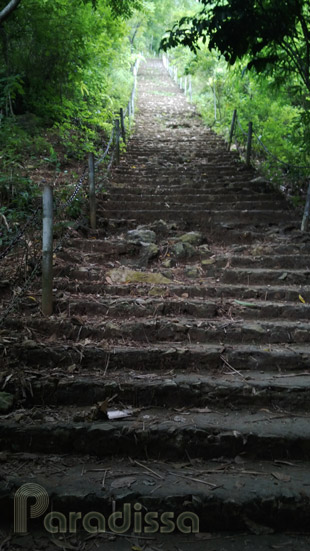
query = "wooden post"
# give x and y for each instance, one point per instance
(117, 137)
(175, 75)
(305, 220)
(185, 85)
(181, 83)
(123, 124)
(232, 129)
(249, 145)
(92, 191)
(47, 252)
(190, 88)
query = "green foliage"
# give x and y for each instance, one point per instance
(65, 71)
(275, 108)
(271, 33)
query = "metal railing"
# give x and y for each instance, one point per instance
(184, 82)
(247, 137)
(50, 210)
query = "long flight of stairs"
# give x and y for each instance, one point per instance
(174, 375)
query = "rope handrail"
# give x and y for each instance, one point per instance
(99, 161)
(240, 126)
(53, 210)
(265, 148)
(20, 233)
(289, 165)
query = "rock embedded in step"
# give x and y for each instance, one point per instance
(192, 238)
(192, 271)
(204, 250)
(183, 250)
(141, 236)
(126, 275)
(6, 402)
(149, 250)
(169, 263)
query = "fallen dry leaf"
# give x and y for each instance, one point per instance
(124, 482)
(281, 476)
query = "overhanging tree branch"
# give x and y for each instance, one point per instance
(11, 6)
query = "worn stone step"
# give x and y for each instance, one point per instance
(160, 186)
(206, 218)
(198, 205)
(254, 276)
(207, 170)
(139, 307)
(231, 189)
(192, 290)
(221, 541)
(230, 388)
(190, 197)
(222, 233)
(272, 260)
(41, 351)
(161, 433)
(267, 496)
(180, 329)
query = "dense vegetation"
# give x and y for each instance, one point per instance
(65, 71)
(253, 57)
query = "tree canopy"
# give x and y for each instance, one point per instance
(271, 33)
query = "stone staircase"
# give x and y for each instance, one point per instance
(174, 375)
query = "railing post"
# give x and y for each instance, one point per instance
(305, 220)
(232, 129)
(249, 145)
(133, 103)
(190, 88)
(92, 190)
(47, 252)
(123, 124)
(181, 83)
(175, 75)
(185, 85)
(117, 139)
